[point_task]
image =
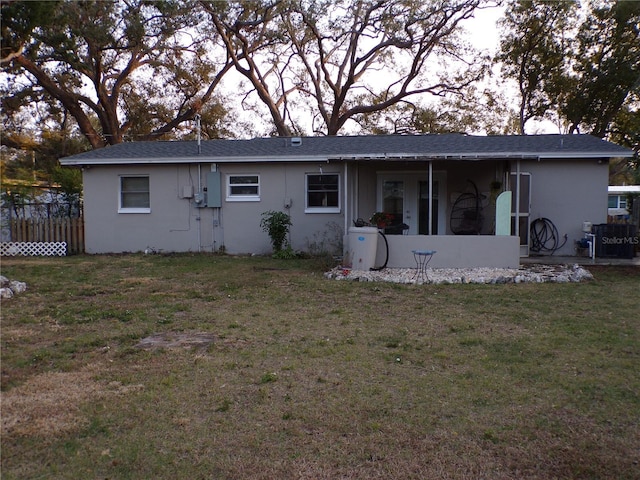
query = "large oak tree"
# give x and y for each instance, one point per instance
(533, 52)
(345, 59)
(579, 66)
(122, 70)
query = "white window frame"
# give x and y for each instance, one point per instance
(122, 209)
(621, 200)
(327, 209)
(230, 197)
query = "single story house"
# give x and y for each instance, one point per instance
(618, 198)
(439, 192)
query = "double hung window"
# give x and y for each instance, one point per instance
(134, 194)
(323, 193)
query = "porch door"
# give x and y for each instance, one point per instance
(525, 207)
(406, 196)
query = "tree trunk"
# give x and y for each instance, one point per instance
(67, 99)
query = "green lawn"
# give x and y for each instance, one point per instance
(309, 378)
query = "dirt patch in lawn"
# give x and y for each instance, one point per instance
(50, 403)
(177, 340)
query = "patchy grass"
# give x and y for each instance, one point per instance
(303, 377)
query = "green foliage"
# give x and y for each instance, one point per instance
(533, 54)
(19, 19)
(276, 224)
(69, 181)
(606, 68)
(285, 253)
(27, 173)
(147, 79)
(269, 377)
(587, 77)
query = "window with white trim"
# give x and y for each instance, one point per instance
(617, 201)
(134, 194)
(323, 193)
(243, 188)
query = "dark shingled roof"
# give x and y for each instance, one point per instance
(447, 146)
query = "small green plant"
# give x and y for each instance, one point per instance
(286, 253)
(268, 377)
(276, 224)
(224, 406)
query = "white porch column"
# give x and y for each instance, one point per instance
(430, 193)
(517, 226)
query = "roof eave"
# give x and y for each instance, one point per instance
(586, 155)
(70, 161)
(191, 160)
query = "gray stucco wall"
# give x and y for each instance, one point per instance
(452, 251)
(172, 225)
(280, 184)
(176, 225)
(568, 196)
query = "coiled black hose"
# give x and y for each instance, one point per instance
(544, 236)
(386, 260)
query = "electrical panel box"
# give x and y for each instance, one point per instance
(214, 190)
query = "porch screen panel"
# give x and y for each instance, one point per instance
(525, 193)
(393, 199)
(525, 206)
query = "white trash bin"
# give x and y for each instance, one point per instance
(363, 247)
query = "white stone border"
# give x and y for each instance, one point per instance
(29, 249)
(439, 276)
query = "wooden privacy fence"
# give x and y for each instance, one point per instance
(69, 230)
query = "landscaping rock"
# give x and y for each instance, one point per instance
(17, 287)
(10, 288)
(5, 293)
(437, 276)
